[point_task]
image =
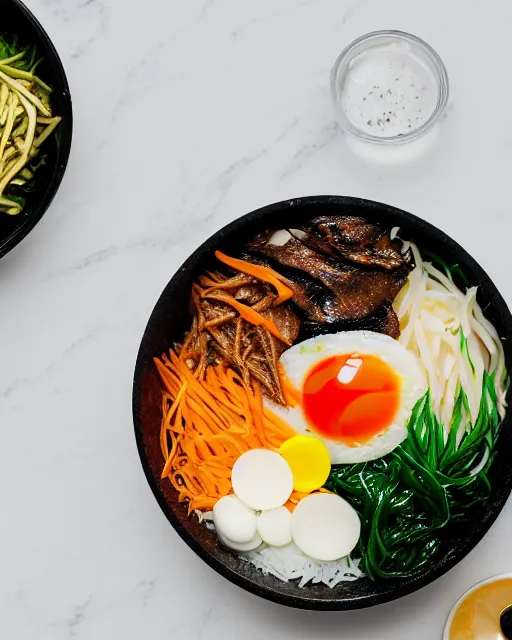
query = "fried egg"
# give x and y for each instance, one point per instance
(355, 390)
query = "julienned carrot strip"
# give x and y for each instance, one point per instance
(168, 414)
(189, 449)
(226, 448)
(190, 410)
(210, 421)
(198, 422)
(272, 441)
(175, 484)
(177, 427)
(249, 315)
(207, 425)
(207, 282)
(222, 397)
(226, 396)
(198, 391)
(174, 446)
(278, 423)
(219, 471)
(262, 273)
(290, 393)
(297, 496)
(207, 483)
(171, 371)
(273, 436)
(176, 403)
(166, 375)
(253, 441)
(203, 503)
(234, 382)
(257, 411)
(164, 445)
(202, 448)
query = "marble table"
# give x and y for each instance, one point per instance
(189, 114)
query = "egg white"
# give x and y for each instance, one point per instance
(299, 359)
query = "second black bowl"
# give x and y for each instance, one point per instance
(18, 21)
(170, 319)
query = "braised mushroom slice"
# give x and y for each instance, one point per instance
(357, 291)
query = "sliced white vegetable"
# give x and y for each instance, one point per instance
(481, 464)
(433, 314)
(275, 526)
(241, 546)
(405, 247)
(234, 520)
(428, 361)
(418, 292)
(280, 238)
(298, 233)
(444, 280)
(262, 479)
(325, 527)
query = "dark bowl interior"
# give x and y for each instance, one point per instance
(170, 319)
(18, 21)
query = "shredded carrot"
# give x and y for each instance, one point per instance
(290, 393)
(249, 314)
(262, 273)
(207, 425)
(277, 423)
(167, 466)
(297, 496)
(257, 410)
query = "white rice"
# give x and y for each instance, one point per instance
(289, 563)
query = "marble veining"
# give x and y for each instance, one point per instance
(187, 115)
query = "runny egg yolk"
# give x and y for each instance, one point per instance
(351, 398)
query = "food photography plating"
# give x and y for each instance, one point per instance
(256, 341)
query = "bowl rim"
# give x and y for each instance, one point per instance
(22, 231)
(267, 592)
(438, 68)
(453, 610)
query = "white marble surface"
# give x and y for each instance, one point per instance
(188, 114)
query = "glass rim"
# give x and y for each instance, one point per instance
(437, 67)
(481, 583)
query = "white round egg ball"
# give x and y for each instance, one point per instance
(254, 543)
(234, 520)
(262, 479)
(325, 527)
(275, 526)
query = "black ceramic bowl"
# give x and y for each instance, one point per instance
(18, 21)
(170, 319)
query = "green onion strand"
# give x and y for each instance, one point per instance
(405, 499)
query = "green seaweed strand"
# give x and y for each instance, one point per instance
(405, 499)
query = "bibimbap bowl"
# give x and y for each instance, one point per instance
(454, 474)
(19, 25)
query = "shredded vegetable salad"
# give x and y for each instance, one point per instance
(26, 122)
(449, 333)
